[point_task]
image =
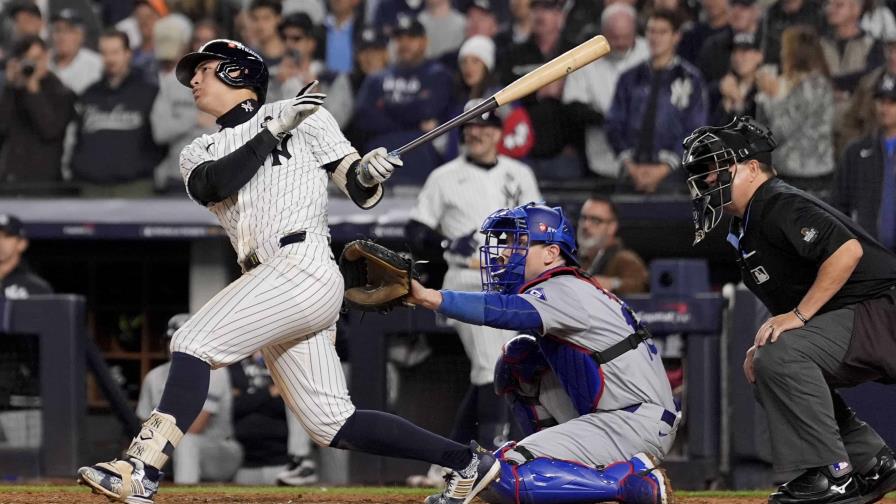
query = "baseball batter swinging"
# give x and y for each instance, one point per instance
(264, 175)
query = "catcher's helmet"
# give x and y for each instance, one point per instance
(239, 66)
(508, 234)
(709, 152)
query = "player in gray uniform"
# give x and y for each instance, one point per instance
(454, 201)
(264, 175)
(208, 451)
(586, 381)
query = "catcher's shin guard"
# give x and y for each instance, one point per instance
(551, 481)
(126, 480)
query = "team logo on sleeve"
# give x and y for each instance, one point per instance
(809, 234)
(538, 293)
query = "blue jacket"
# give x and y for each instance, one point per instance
(682, 107)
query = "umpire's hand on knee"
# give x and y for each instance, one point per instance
(302, 106)
(748, 364)
(376, 166)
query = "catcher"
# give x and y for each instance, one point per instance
(584, 369)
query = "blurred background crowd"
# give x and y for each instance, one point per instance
(90, 104)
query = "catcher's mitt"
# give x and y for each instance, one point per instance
(376, 278)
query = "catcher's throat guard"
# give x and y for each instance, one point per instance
(376, 278)
(710, 157)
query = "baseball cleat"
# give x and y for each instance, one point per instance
(880, 480)
(300, 471)
(462, 486)
(647, 483)
(120, 481)
(817, 486)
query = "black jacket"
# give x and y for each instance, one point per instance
(857, 186)
(259, 420)
(32, 129)
(22, 283)
(115, 142)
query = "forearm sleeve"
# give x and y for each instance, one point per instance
(217, 180)
(344, 173)
(501, 311)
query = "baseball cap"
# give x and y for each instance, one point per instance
(371, 37)
(11, 225)
(170, 38)
(160, 6)
(69, 15)
(484, 5)
(23, 6)
(408, 25)
(486, 119)
(886, 87)
(549, 4)
(745, 41)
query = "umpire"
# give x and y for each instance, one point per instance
(830, 288)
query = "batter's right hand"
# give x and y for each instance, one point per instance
(748, 364)
(303, 105)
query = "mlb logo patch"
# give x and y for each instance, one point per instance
(538, 293)
(809, 234)
(760, 275)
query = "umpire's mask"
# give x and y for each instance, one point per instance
(710, 157)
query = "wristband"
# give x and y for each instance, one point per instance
(799, 315)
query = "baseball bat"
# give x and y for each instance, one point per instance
(568, 62)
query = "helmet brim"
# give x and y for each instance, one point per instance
(186, 67)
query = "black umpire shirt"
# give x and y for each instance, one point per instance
(785, 236)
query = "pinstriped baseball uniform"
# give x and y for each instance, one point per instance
(287, 306)
(455, 200)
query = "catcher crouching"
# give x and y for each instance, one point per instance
(584, 368)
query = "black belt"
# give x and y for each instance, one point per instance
(251, 260)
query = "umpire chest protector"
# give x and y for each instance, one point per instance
(579, 368)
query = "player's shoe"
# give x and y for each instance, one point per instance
(880, 480)
(462, 486)
(646, 484)
(120, 481)
(818, 486)
(300, 471)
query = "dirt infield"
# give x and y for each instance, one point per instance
(72, 494)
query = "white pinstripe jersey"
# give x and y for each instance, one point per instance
(288, 193)
(458, 196)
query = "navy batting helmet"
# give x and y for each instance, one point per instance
(503, 257)
(239, 66)
(709, 152)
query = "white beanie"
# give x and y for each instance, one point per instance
(481, 47)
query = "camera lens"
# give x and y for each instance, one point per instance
(28, 69)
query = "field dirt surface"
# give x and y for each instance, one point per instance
(70, 494)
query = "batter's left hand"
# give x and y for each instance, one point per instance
(772, 328)
(376, 166)
(301, 107)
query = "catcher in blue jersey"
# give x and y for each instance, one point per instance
(584, 379)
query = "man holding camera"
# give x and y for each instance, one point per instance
(35, 107)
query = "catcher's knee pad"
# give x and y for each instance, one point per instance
(517, 376)
(149, 445)
(551, 481)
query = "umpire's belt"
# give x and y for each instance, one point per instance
(251, 260)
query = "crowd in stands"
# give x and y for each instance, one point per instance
(89, 100)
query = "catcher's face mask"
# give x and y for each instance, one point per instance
(712, 167)
(503, 257)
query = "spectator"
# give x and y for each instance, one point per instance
(601, 253)
(783, 14)
(737, 89)
(26, 18)
(388, 12)
(146, 14)
(115, 154)
(264, 19)
(371, 58)
(865, 187)
(17, 281)
(174, 119)
(878, 20)
(316, 10)
(298, 33)
(410, 98)
(259, 421)
(656, 104)
(481, 19)
(715, 56)
(859, 119)
(799, 108)
(520, 27)
(445, 27)
(715, 17)
(75, 65)
(550, 156)
(476, 60)
(208, 451)
(590, 90)
(341, 26)
(35, 108)
(205, 31)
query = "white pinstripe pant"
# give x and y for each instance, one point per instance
(287, 307)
